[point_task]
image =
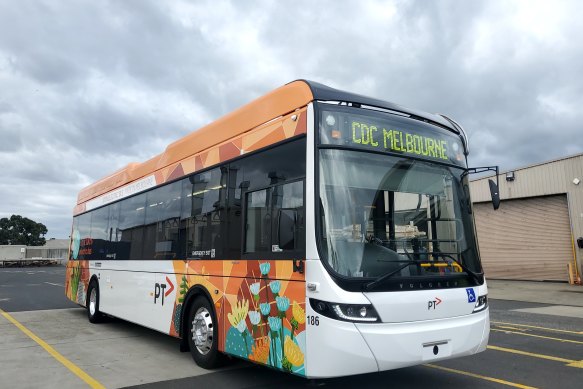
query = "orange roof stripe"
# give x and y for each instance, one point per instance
(276, 103)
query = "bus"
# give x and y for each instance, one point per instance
(314, 231)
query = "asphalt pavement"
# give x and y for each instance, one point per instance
(536, 341)
(33, 288)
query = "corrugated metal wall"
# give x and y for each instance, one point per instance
(550, 178)
(527, 239)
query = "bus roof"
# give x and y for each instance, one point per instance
(277, 103)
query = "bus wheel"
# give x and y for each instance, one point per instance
(202, 334)
(93, 303)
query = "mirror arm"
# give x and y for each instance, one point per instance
(482, 169)
(494, 191)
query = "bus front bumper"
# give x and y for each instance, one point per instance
(396, 345)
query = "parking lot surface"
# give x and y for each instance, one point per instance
(46, 341)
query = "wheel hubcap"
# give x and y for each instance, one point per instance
(92, 301)
(202, 330)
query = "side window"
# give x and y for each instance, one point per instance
(114, 234)
(288, 208)
(162, 222)
(99, 227)
(248, 178)
(131, 225)
(185, 214)
(73, 254)
(274, 220)
(203, 214)
(258, 223)
(84, 228)
(234, 212)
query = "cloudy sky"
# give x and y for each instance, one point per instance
(88, 86)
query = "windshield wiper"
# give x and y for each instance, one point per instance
(476, 276)
(407, 262)
(388, 275)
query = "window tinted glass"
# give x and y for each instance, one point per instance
(74, 236)
(116, 249)
(258, 226)
(275, 219)
(99, 227)
(281, 164)
(131, 225)
(162, 222)
(203, 212)
(191, 218)
(84, 228)
(288, 206)
(185, 212)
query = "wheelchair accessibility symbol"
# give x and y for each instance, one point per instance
(471, 295)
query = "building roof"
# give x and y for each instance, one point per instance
(530, 166)
(55, 244)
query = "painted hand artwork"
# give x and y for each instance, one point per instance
(267, 323)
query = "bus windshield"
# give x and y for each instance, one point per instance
(397, 216)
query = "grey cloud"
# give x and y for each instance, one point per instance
(10, 139)
(87, 87)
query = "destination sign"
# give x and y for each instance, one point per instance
(392, 134)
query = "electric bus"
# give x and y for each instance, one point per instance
(315, 231)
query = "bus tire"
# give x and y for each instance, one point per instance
(203, 334)
(93, 313)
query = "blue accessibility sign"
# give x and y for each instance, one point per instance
(471, 295)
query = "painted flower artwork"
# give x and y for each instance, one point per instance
(267, 323)
(77, 281)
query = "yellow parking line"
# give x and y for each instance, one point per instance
(538, 336)
(511, 328)
(497, 380)
(569, 362)
(540, 328)
(54, 353)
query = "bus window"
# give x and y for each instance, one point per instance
(255, 172)
(84, 228)
(131, 225)
(288, 204)
(73, 253)
(162, 222)
(274, 220)
(202, 214)
(99, 224)
(258, 223)
(113, 233)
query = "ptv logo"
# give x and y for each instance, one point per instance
(433, 303)
(159, 291)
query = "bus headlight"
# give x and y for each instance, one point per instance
(358, 313)
(481, 304)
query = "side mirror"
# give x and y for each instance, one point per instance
(495, 193)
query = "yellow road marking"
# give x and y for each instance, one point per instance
(55, 354)
(497, 380)
(569, 362)
(510, 328)
(539, 336)
(540, 328)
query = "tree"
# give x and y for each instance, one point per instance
(22, 230)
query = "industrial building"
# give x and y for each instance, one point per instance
(54, 251)
(537, 232)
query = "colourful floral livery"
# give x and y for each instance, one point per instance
(267, 321)
(260, 307)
